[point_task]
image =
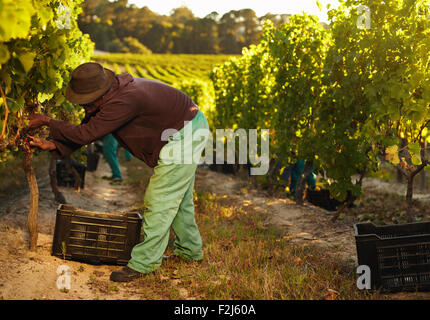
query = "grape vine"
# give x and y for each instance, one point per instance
(40, 44)
(345, 99)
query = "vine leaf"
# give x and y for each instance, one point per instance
(27, 60)
(392, 154)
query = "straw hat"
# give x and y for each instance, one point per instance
(89, 82)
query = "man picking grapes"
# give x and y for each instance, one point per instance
(138, 112)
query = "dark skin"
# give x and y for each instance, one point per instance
(39, 120)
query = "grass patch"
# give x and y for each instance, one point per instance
(244, 259)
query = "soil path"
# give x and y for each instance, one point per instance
(305, 224)
(382, 186)
(28, 275)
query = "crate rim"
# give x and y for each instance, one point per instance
(70, 209)
(357, 235)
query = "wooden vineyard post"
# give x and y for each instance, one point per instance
(34, 199)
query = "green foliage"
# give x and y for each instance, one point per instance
(116, 46)
(127, 45)
(243, 90)
(276, 85)
(376, 87)
(344, 97)
(180, 32)
(298, 51)
(40, 44)
(134, 46)
(200, 91)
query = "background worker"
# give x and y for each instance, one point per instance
(296, 173)
(110, 153)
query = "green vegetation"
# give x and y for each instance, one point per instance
(168, 67)
(344, 99)
(110, 23)
(36, 58)
(40, 44)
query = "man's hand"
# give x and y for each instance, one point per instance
(42, 144)
(37, 121)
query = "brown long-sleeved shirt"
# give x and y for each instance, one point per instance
(136, 111)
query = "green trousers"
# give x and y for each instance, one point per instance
(296, 173)
(110, 146)
(169, 200)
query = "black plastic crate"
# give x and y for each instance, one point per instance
(322, 198)
(98, 145)
(95, 237)
(397, 255)
(92, 161)
(66, 179)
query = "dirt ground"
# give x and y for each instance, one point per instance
(29, 275)
(302, 224)
(378, 185)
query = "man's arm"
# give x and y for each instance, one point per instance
(110, 118)
(68, 137)
(56, 148)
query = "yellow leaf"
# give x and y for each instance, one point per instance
(392, 154)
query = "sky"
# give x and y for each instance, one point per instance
(201, 8)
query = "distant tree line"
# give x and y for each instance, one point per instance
(121, 27)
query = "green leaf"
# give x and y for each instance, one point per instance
(16, 105)
(414, 148)
(416, 160)
(44, 13)
(4, 53)
(27, 60)
(15, 19)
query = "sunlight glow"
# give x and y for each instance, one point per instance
(202, 8)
